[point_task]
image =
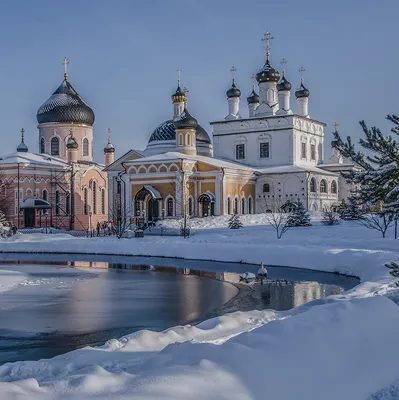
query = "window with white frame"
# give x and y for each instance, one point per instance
(240, 151)
(264, 150)
(323, 186)
(313, 151)
(303, 150)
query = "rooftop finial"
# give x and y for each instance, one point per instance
(22, 148)
(335, 125)
(65, 63)
(178, 76)
(253, 79)
(267, 38)
(22, 135)
(71, 130)
(283, 63)
(302, 71)
(185, 90)
(109, 135)
(233, 71)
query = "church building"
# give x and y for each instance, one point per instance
(252, 164)
(60, 185)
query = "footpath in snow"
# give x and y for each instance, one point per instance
(338, 348)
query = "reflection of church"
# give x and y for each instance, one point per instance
(252, 164)
(61, 179)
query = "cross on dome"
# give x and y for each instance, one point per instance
(302, 72)
(233, 71)
(267, 38)
(109, 135)
(22, 134)
(178, 75)
(335, 125)
(65, 63)
(283, 63)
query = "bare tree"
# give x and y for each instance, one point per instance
(379, 221)
(278, 219)
(330, 216)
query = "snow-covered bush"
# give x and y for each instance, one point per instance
(234, 222)
(330, 216)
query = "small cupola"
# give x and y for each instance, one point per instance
(22, 147)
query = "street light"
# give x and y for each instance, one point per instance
(90, 214)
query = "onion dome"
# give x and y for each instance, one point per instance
(233, 91)
(166, 132)
(22, 147)
(65, 106)
(284, 85)
(253, 98)
(109, 148)
(185, 121)
(302, 92)
(72, 143)
(268, 73)
(179, 96)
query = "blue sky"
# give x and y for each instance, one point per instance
(124, 55)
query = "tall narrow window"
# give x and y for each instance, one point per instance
(250, 205)
(264, 150)
(303, 150)
(42, 145)
(67, 203)
(94, 197)
(313, 185)
(266, 188)
(45, 195)
(85, 204)
(55, 146)
(236, 206)
(334, 187)
(190, 206)
(170, 207)
(103, 201)
(85, 147)
(243, 206)
(323, 186)
(240, 151)
(118, 187)
(57, 202)
(228, 206)
(313, 151)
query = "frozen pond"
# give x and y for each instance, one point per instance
(61, 303)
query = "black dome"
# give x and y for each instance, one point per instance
(302, 92)
(233, 91)
(284, 85)
(22, 147)
(185, 121)
(109, 148)
(72, 143)
(268, 73)
(253, 98)
(167, 131)
(65, 106)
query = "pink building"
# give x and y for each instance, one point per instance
(62, 172)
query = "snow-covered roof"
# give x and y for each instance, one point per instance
(287, 169)
(176, 156)
(32, 159)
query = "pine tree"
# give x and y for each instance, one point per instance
(350, 211)
(300, 216)
(235, 222)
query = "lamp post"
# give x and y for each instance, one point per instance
(163, 213)
(90, 214)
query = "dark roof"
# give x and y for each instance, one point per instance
(65, 106)
(166, 131)
(253, 98)
(185, 121)
(268, 73)
(233, 91)
(284, 85)
(22, 147)
(302, 91)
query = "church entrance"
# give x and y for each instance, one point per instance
(29, 217)
(147, 203)
(207, 204)
(153, 210)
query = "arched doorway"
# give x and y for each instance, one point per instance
(147, 203)
(207, 204)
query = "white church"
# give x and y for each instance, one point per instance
(252, 164)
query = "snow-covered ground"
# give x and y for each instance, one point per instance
(10, 279)
(342, 347)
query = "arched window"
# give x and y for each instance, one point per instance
(94, 197)
(103, 201)
(169, 205)
(42, 145)
(45, 195)
(266, 188)
(190, 206)
(243, 205)
(236, 206)
(85, 147)
(67, 203)
(85, 204)
(313, 185)
(180, 139)
(228, 206)
(55, 146)
(334, 187)
(29, 193)
(323, 186)
(57, 202)
(250, 205)
(188, 140)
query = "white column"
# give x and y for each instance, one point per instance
(303, 103)
(234, 105)
(284, 102)
(218, 196)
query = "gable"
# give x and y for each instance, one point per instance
(131, 155)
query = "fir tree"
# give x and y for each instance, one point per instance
(299, 216)
(235, 222)
(350, 211)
